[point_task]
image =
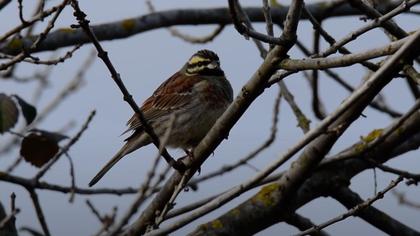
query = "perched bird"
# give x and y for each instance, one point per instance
(195, 96)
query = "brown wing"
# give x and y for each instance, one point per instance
(171, 95)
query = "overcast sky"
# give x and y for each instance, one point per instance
(146, 60)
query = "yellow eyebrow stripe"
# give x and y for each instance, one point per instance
(197, 59)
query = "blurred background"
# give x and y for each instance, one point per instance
(146, 60)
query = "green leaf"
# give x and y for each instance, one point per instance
(29, 111)
(8, 113)
(38, 148)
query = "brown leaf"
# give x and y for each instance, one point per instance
(8, 113)
(29, 111)
(38, 149)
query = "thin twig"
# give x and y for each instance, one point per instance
(404, 201)
(188, 38)
(29, 183)
(410, 176)
(353, 211)
(268, 20)
(144, 190)
(65, 149)
(13, 212)
(222, 126)
(26, 51)
(84, 24)
(39, 212)
(404, 6)
(94, 210)
(72, 178)
(341, 61)
(303, 121)
(317, 105)
(311, 135)
(246, 31)
(30, 22)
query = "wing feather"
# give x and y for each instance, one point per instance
(173, 94)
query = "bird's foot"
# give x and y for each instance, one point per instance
(190, 155)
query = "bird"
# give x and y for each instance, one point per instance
(191, 100)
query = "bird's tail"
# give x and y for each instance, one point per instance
(120, 154)
(134, 142)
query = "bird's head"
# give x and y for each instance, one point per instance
(203, 62)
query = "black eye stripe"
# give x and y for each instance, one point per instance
(200, 63)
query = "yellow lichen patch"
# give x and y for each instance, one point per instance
(128, 24)
(374, 134)
(234, 212)
(303, 122)
(216, 224)
(360, 147)
(15, 44)
(275, 3)
(67, 30)
(264, 195)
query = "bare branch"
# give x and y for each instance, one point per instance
(64, 149)
(219, 16)
(372, 215)
(303, 121)
(353, 211)
(404, 201)
(321, 143)
(84, 24)
(249, 93)
(341, 61)
(39, 212)
(188, 38)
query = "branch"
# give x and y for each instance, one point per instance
(4, 3)
(252, 89)
(341, 61)
(28, 183)
(7, 222)
(188, 38)
(131, 26)
(263, 146)
(372, 215)
(354, 210)
(303, 121)
(404, 6)
(25, 52)
(302, 223)
(84, 24)
(242, 27)
(279, 194)
(331, 173)
(39, 212)
(64, 149)
(145, 190)
(404, 201)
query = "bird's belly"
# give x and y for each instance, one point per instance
(190, 128)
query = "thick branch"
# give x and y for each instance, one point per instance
(340, 61)
(132, 26)
(252, 89)
(278, 194)
(372, 215)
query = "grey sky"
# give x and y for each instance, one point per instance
(146, 60)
